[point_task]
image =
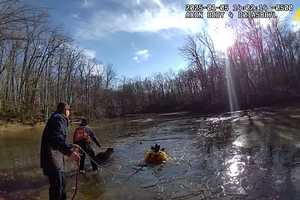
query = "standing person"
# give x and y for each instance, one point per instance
(53, 148)
(82, 137)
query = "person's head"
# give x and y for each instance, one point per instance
(110, 150)
(84, 122)
(63, 108)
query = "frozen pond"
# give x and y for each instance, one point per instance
(241, 155)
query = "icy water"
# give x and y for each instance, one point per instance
(241, 155)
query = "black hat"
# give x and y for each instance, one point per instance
(62, 106)
(84, 122)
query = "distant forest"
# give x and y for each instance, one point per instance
(40, 66)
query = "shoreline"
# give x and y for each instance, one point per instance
(16, 123)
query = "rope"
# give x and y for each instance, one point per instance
(92, 159)
(76, 182)
(78, 170)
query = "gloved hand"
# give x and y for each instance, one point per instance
(76, 146)
(75, 156)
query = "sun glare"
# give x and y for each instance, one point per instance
(222, 36)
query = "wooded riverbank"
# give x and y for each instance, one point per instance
(41, 66)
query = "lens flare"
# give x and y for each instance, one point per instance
(297, 15)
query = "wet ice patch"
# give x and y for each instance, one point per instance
(295, 174)
(173, 113)
(235, 166)
(217, 119)
(142, 120)
(295, 116)
(247, 140)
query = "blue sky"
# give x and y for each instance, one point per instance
(139, 37)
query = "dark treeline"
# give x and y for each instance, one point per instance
(40, 66)
(262, 67)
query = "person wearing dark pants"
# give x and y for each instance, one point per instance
(88, 149)
(57, 186)
(53, 149)
(83, 136)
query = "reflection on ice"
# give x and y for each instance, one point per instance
(216, 119)
(243, 155)
(235, 168)
(247, 141)
(142, 120)
(295, 175)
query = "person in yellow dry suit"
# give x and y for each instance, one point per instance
(156, 155)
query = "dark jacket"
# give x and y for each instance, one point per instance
(54, 145)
